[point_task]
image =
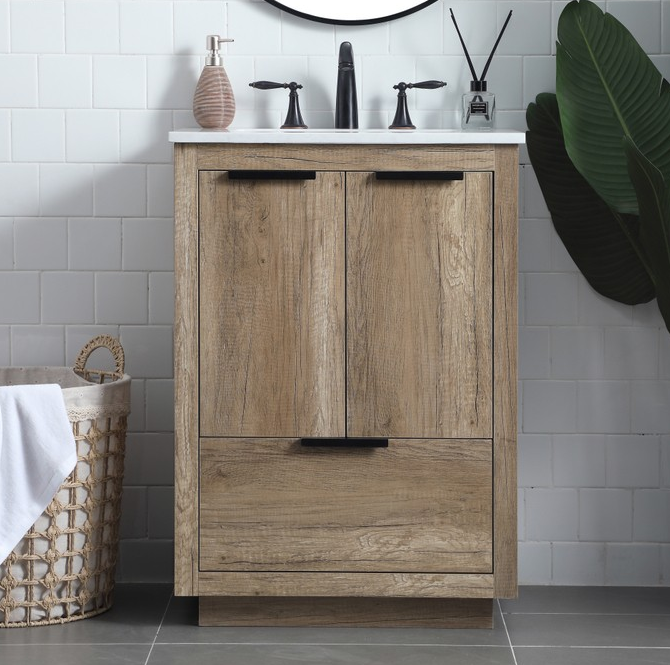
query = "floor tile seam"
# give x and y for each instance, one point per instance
(591, 614)
(76, 644)
(158, 629)
(591, 646)
(509, 638)
(334, 644)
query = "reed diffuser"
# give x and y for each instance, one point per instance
(479, 105)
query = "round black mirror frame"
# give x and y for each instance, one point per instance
(366, 21)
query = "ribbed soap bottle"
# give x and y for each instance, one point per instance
(213, 101)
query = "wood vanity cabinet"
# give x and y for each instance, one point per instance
(345, 382)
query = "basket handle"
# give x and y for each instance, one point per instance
(106, 341)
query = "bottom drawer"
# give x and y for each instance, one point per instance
(416, 506)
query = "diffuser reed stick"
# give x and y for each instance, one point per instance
(465, 48)
(495, 46)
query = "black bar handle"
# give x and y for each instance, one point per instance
(345, 442)
(272, 175)
(419, 175)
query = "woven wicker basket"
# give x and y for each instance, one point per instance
(63, 568)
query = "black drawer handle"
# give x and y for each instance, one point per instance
(345, 442)
(272, 175)
(419, 175)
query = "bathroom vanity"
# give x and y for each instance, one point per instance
(345, 376)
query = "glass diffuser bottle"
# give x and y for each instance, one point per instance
(479, 105)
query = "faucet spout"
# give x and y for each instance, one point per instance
(346, 100)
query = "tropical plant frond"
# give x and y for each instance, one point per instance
(653, 194)
(607, 89)
(601, 242)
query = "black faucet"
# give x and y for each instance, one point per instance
(346, 101)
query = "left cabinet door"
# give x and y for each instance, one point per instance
(272, 349)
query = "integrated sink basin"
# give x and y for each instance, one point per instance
(348, 136)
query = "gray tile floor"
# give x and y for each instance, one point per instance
(544, 626)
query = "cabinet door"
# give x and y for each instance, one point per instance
(271, 306)
(417, 506)
(419, 307)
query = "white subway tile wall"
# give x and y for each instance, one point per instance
(6, 243)
(65, 81)
(67, 297)
(92, 135)
(632, 564)
(37, 345)
(579, 563)
(4, 26)
(579, 461)
(38, 135)
(88, 93)
(4, 345)
(41, 244)
(37, 27)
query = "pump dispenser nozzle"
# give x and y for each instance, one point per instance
(213, 44)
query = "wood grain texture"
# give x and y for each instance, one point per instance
(416, 506)
(186, 370)
(502, 161)
(347, 157)
(272, 306)
(419, 307)
(358, 585)
(347, 612)
(505, 364)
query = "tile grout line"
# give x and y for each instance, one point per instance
(592, 646)
(160, 625)
(509, 639)
(594, 614)
(71, 644)
(339, 644)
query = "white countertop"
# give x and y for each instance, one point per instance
(348, 136)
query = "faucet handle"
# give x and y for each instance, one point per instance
(428, 85)
(271, 85)
(402, 119)
(293, 117)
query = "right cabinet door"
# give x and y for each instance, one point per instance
(419, 306)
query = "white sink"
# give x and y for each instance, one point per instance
(346, 136)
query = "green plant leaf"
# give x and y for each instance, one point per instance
(593, 235)
(608, 88)
(653, 194)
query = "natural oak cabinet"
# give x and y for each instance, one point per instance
(419, 300)
(271, 306)
(345, 382)
(417, 506)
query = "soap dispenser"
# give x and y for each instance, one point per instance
(213, 101)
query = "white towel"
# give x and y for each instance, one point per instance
(37, 453)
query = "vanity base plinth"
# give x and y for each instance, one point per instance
(346, 612)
